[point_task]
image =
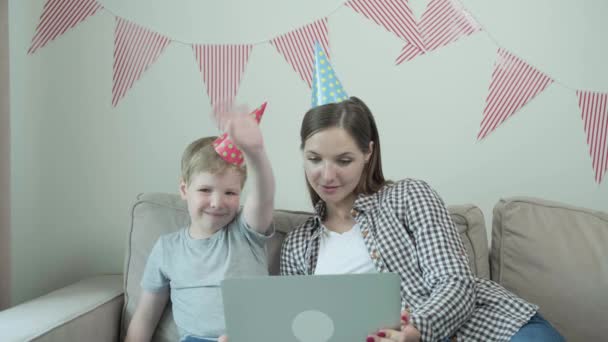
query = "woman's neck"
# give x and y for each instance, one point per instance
(338, 216)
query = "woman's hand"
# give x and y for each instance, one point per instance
(408, 332)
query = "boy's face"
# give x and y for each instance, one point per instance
(213, 199)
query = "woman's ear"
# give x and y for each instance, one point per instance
(370, 150)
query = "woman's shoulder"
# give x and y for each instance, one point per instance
(297, 240)
(403, 186)
(301, 231)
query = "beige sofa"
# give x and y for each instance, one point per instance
(552, 254)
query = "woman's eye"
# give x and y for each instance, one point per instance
(314, 159)
(344, 161)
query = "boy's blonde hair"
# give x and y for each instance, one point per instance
(200, 156)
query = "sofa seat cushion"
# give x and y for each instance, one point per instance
(556, 256)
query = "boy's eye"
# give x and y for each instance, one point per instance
(205, 190)
(231, 193)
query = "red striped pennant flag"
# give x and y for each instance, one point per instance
(298, 47)
(397, 17)
(135, 49)
(222, 67)
(443, 22)
(58, 16)
(513, 84)
(595, 119)
(408, 53)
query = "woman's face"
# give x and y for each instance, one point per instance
(333, 164)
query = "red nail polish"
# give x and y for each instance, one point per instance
(381, 334)
(370, 339)
(404, 318)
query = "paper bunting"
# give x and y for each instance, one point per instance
(135, 49)
(222, 67)
(227, 150)
(395, 16)
(513, 84)
(298, 47)
(58, 16)
(443, 22)
(594, 112)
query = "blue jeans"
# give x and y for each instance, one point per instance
(537, 329)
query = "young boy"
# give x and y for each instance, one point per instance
(220, 242)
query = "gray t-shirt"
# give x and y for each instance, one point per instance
(194, 269)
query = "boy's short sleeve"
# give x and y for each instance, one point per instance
(154, 278)
(259, 238)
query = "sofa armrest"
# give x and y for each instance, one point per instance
(88, 310)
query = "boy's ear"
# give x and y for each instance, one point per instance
(183, 188)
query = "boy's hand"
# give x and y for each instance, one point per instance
(242, 129)
(223, 338)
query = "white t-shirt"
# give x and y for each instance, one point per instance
(343, 253)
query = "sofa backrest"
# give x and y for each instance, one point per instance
(155, 214)
(556, 256)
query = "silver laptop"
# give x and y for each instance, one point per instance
(323, 308)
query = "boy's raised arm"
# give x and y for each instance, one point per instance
(246, 134)
(259, 204)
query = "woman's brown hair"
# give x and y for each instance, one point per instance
(355, 117)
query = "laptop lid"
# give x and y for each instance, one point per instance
(316, 308)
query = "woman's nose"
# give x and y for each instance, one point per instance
(328, 171)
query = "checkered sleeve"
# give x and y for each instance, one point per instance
(292, 253)
(443, 261)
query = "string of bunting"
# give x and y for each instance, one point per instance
(513, 84)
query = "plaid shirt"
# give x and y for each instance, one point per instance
(408, 230)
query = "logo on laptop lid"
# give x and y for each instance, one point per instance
(312, 326)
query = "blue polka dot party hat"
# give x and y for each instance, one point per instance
(326, 88)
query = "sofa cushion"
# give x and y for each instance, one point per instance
(554, 255)
(155, 214)
(471, 225)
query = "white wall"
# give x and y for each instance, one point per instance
(5, 132)
(77, 163)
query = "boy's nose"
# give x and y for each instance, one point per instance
(216, 200)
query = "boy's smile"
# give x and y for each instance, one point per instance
(213, 200)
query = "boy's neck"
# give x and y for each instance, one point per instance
(198, 233)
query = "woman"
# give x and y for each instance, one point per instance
(364, 223)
